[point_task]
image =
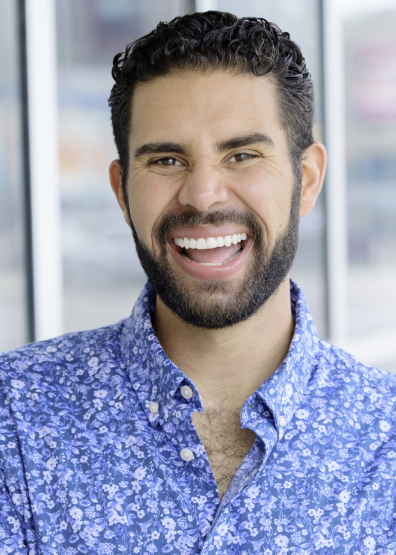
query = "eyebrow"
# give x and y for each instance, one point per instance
(223, 146)
(244, 140)
(160, 148)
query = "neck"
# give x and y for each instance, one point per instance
(228, 365)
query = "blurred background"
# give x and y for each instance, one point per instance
(67, 259)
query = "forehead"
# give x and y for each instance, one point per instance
(189, 106)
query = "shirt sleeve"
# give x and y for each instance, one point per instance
(15, 538)
(12, 537)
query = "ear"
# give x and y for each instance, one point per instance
(313, 171)
(115, 175)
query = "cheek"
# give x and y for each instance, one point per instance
(268, 196)
(149, 198)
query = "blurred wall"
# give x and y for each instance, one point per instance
(370, 71)
(101, 273)
(13, 286)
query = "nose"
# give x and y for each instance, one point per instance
(204, 188)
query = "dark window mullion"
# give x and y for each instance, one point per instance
(27, 204)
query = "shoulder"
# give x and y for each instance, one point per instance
(352, 386)
(66, 354)
(344, 365)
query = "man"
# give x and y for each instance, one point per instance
(212, 420)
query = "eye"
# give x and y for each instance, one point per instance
(241, 157)
(166, 161)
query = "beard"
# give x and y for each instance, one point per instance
(216, 304)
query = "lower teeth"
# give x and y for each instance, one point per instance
(212, 263)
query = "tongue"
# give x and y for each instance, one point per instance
(213, 256)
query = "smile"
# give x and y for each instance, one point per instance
(219, 242)
(213, 256)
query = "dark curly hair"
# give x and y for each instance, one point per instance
(213, 41)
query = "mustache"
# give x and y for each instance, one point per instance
(189, 218)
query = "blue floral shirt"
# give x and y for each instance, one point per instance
(92, 431)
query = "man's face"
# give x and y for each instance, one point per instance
(209, 160)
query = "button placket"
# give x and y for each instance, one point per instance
(186, 454)
(186, 391)
(154, 407)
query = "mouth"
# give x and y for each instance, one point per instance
(223, 249)
(213, 256)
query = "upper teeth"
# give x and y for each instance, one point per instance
(210, 242)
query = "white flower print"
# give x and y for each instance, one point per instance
(52, 463)
(384, 425)
(303, 414)
(17, 384)
(370, 544)
(288, 390)
(140, 473)
(169, 523)
(76, 513)
(282, 541)
(345, 496)
(101, 393)
(98, 404)
(17, 499)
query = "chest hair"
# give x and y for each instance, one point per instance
(226, 443)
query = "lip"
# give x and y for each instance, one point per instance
(225, 271)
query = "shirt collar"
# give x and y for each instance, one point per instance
(153, 375)
(282, 392)
(156, 379)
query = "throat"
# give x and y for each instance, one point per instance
(226, 443)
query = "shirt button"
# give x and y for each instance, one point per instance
(186, 454)
(186, 391)
(154, 407)
(282, 421)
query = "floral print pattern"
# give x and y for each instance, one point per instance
(92, 425)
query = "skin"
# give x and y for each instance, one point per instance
(197, 112)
